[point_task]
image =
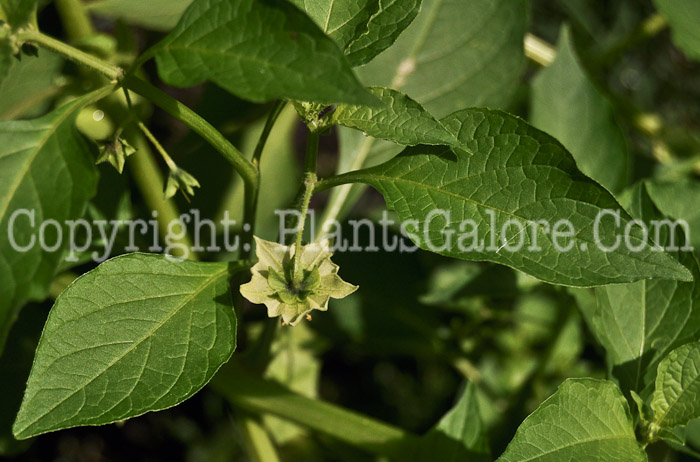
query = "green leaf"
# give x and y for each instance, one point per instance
(567, 105)
(675, 401)
(18, 13)
(400, 119)
(363, 28)
(161, 15)
(513, 176)
(585, 420)
(456, 55)
(29, 85)
(665, 196)
(46, 168)
(259, 51)
(384, 26)
(683, 16)
(460, 435)
(341, 20)
(639, 323)
(139, 333)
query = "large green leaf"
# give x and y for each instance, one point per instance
(456, 55)
(683, 17)
(258, 50)
(513, 176)
(460, 435)
(567, 105)
(362, 28)
(46, 169)
(399, 119)
(139, 333)
(160, 15)
(585, 420)
(639, 323)
(676, 398)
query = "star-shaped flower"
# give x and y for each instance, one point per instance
(273, 282)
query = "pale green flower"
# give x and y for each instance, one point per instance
(272, 282)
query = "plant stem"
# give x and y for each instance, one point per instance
(269, 123)
(196, 123)
(244, 390)
(149, 179)
(114, 73)
(154, 141)
(248, 171)
(74, 18)
(166, 102)
(310, 161)
(337, 201)
(311, 157)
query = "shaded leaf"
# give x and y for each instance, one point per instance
(29, 85)
(567, 105)
(18, 13)
(456, 55)
(399, 119)
(46, 169)
(259, 51)
(665, 195)
(639, 323)
(676, 398)
(139, 333)
(513, 177)
(683, 17)
(460, 435)
(584, 420)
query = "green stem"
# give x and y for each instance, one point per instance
(248, 171)
(149, 179)
(246, 391)
(80, 57)
(154, 141)
(166, 102)
(74, 18)
(309, 185)
(269, 123)
(344, 179)
(196, 123)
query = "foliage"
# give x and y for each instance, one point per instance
(470, 328)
